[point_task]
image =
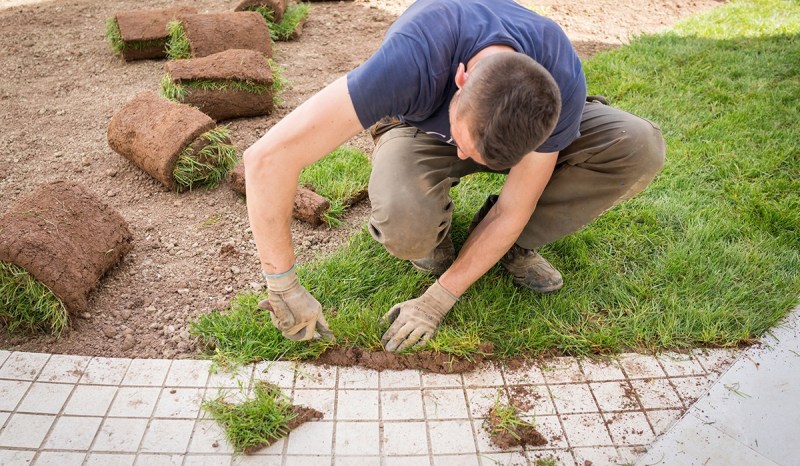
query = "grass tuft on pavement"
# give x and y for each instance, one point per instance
(27, 306)
(708, 255)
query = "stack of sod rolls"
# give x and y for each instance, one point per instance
(55, 245)
(229, 84)
(176, 144)
(201, 35)
(137, 35)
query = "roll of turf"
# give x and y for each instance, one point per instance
(230, 84)
(142, 34)
(176, 144)
(201, 35)
(275, 7)
(63, 237)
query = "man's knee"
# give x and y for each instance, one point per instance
(645, 149)
(409, 231)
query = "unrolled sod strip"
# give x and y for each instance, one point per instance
(229, 84)
(176, 144)
(142, 34)
(201, 35)
(60, 239)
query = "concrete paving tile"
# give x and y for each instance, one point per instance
(188, 373)
(695, 442)
(249, 460)
(456, 460)
(311, 438)
(323, 401)
(167, 436)
(614, 396)
(596, 456)
(73, 433)
(526, 373)
(601, 370)
(629, 429)
(561, 457)
(690, 389)
(314, 376)
(401, 405)
(400, 379)
(357, 438)
(451, 437)
(45, 398)
(357, 461)
(663, 419)
(656, 394)
(207, 460)
(147, 372)
(563, 370)
(64, 368)
(531, 400)
(407, 461)
(481, 400)
(586, 430)
(17, 457)
(120, 435)
(156, 459)
(489, 375)
(484, 440)
(445, 404)
(25, 430)
(23, 366)
(240, 377)
(640, 366)
(4, 417)
(357, 377)
(404, 438)
(209, 437)
(90, 400)
(110, 459)
(11, 392)
(716, 360)
(3, 356)
(573, 398)
(134, 402)
(60, 458)
(551, 430)
(274, 448)
(441, 380)
(503, 458)
(680, 364)
(308, 461)
(280, 373)
(629, 455)
(181, 403)
(357, 405)
(105, 371)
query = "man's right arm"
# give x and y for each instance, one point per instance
(273, 165)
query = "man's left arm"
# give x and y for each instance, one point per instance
(415, 321)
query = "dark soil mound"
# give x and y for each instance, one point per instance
(426, 360)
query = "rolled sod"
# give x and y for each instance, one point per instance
(176, 144)
(201, 35)
(63, 237)
(229, 84)
(309, 206)
(276, 7)
(285, 21)
(142, 34)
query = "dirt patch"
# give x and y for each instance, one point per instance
(60, 84)
(212, 33)
(511, 436)
(424, 360)
(66, 238)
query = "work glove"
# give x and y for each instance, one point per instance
(414, 322)
(293, 310)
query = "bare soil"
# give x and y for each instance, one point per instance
(60, 85)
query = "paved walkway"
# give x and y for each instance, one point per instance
(74, 410)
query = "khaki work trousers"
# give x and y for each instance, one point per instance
(615, 158)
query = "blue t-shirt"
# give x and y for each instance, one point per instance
(411, 76)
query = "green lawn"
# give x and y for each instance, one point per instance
(707, 255)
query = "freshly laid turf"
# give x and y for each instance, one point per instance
(341, 176)
(28, 306)
(210, 165)
(708, 255)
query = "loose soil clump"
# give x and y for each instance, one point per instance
(212, 33)
(142, 34)
(66, 238)
(230, 84)
(309, 206)
(507, 437)
(431, 361)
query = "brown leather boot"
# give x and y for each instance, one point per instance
(439, 260)
(531, 270)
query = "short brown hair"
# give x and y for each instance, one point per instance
(512, 105)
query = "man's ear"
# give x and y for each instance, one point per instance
(461, 75)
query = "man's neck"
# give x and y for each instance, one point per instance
(487, 51)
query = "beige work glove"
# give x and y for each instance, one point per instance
(415, 322)
(293, 310)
